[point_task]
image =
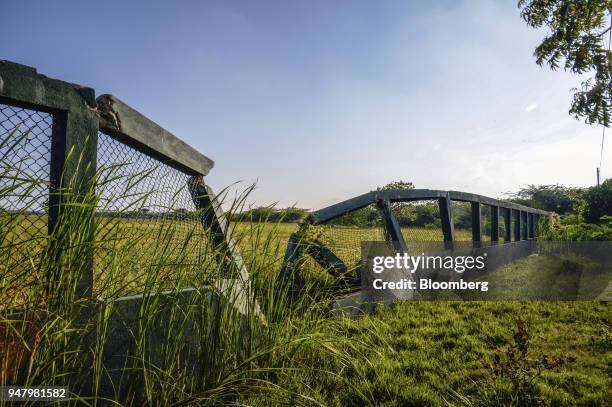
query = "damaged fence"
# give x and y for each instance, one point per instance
(447, 220)
(112, 248)
(149, 184)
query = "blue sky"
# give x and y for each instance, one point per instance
(318, 101)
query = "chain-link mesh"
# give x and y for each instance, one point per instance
(502, 225)
(344, 235)
(25, 148)
(514, 222)
(462, 220)
(147, 210)
(25, 154)
(485, 222)
(419, 220)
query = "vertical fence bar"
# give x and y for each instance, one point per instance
(476, 222)
(215, 222)
(392, 226)
(226, 249)
(524, 225)
(446, 218)
(289, 273)
(507, 225)
(73, 164)
(75, 128)
(58, 156)
(495, 224)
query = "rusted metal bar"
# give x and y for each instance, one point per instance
(336, 210)
(327, 259)
(225, 247)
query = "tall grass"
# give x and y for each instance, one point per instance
(166, 324)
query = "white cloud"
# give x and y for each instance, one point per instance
(531, 107)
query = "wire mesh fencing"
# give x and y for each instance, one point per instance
(146, 208)
(148, 228)
(343, 235)
(462, 220)
(419, 220)
(485, 222)
(25, 154)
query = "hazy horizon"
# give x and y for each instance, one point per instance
(321, 101)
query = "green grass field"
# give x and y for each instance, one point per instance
(416, 353)
(143, 239)
(470, 353)
(465, 353)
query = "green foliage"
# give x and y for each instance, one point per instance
(429, 353)
(417, 353)
(584, 212)
(575, 42)
(584, 232)
(552, 228)
(401, 184)
(186, 347)
(364, 217)
(462, 216)
(598, 202)
(553, 198)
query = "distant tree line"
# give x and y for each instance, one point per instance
(588, 205)
(146, 213)
(270, 214)
(582, 214)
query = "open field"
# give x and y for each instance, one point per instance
(185, 242)
(426, 353)
(416, 353)
(458, 353)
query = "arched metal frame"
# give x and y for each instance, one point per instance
(524, 226)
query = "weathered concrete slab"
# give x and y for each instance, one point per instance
(169, 337)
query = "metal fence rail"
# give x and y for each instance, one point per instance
(451, 218)
(53, 133)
